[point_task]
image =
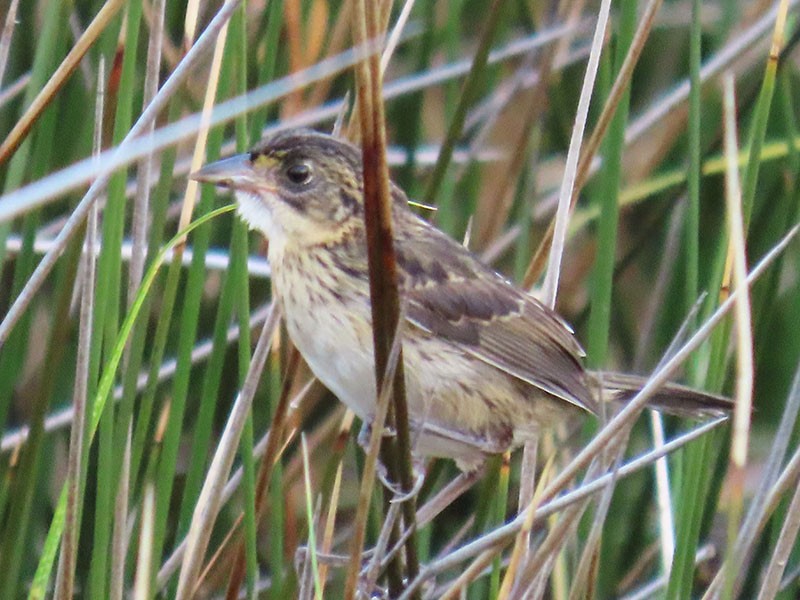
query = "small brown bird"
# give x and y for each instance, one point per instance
(487, 365)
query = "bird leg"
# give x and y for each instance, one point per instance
(418, 467)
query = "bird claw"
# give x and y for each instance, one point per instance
(418, 467)
(401, 495)
(365, 433)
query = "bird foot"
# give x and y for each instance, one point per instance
(400, 494)
(365, 433)
(418, 468)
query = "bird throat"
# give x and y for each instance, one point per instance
(255, 211)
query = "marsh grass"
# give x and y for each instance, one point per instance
(152, 448)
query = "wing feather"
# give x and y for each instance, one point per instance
(449, 293)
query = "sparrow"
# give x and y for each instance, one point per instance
(487, 366)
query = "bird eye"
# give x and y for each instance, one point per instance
(299, 173)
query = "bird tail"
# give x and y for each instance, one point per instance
(671, 398)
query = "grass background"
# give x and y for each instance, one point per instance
(118, 377)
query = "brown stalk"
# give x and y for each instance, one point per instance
(265, 471)
(59, 78)
(468, 93)
(65, 579)
(5, 37)
(327, 537)
(368, 476)
(226, 546)
(588, 152)
(337, 39)
(489, 228)
(395, 452)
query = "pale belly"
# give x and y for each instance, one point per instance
(338, 352)
(329, 329)
(458, 406)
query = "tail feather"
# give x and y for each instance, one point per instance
(671, 398)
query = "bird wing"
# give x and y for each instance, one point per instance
(450, 294)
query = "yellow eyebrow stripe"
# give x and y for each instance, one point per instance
(263, 160)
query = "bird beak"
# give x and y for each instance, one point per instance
(232, 172)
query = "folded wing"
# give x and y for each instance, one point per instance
(450, 294)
